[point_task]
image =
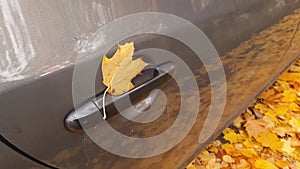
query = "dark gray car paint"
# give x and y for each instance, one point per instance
(11, 159)
(35, 100)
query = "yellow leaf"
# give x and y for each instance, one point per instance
(249, 152)
(238, 122)
(281, 110)
(230, 135)
(281, 163)
(242, 136)
(297, 164)
(228, 159)
(224, 165)
(216, 143)
(256, 126)
(270, 140)
(248, 143)
(295, 124)
(294, 107)
(289, 96)
(243, 164)
(264, 164)
(214, 150)
(229, 148)
(287, 146)
(206, 156)
(261, 107)
(267, 94)
(280, 131)
(283, 84)
(295, 142)
(296, 154)
(271, 115)
(191, 166)
(287, 76)
(213, 164)
(119, 70)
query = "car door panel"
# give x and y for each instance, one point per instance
(33, 108)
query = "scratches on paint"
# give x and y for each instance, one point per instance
(17, 46)
(278, 4)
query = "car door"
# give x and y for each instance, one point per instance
(10, 156)
(49, 41)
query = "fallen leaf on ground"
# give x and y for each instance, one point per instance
(264, 164)
(267, 134)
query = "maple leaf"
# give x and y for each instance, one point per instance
(230, 135)
(263, 164)
(294, 68)
(229, 148)
(228, 159)
(267, 136)
(270, 140)
(243, 164)
(254, 127)
(280, 110)
(118, 71)
(249, 152)
(261, 108)
(249, 143)
(295, 124)
(270, 93)
(281, 163)
(213, 164)
(238, 122)
(280, 131)
(191, 166)
(287, 146)
(270, 96)
(205, 156)
(294, 107)
(290, 76)
(289, 96)
(295, 141)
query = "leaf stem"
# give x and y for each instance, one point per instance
(103, 103)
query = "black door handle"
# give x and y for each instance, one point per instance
(148, 80)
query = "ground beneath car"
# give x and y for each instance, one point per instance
(267, 134)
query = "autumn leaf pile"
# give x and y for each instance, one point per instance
(265, 136)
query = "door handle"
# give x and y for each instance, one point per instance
(149, 79)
